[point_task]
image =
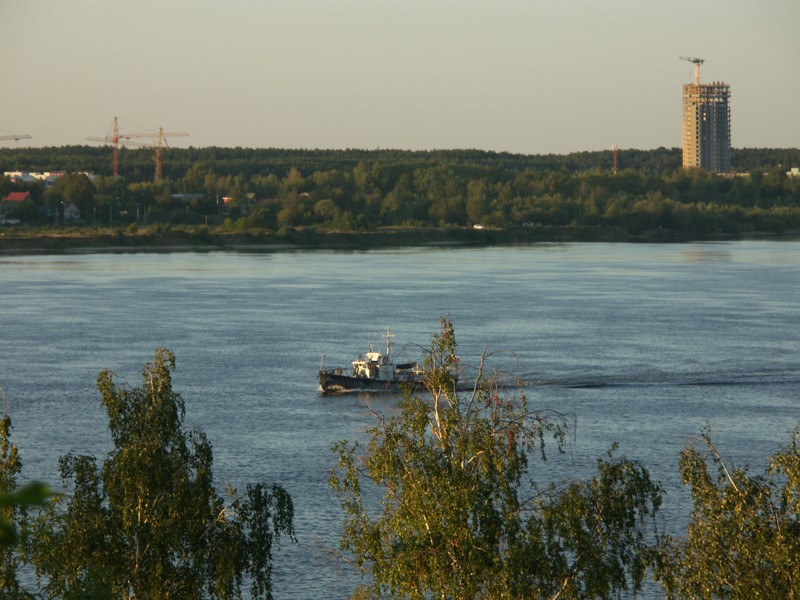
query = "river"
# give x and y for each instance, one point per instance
(639, 344)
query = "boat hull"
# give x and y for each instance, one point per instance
(332, 382)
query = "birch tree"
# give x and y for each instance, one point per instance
(148, 523)
(743, 537)
(460, 514)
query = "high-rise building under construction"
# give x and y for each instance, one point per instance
(706, 123)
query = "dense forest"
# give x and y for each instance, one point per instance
(279, 190)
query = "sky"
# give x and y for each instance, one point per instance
(521, 76)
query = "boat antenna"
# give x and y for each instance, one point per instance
(388, 335)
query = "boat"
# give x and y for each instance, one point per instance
(374, 372)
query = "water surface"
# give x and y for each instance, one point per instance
(640, 344)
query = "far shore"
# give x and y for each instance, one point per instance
(19, 240)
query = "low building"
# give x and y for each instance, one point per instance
(20, 177)
(18, 196)
(48, 178)
(9, 205)
(71, 213)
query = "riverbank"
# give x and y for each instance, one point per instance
(157, 239)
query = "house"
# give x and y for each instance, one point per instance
(186, 198)
(71, 213)
(9, 204)
(18, 196)
(50, 179)
(19, 177)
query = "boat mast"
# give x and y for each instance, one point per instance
(388, 335)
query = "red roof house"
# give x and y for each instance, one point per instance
(9, 204)
(18, 196)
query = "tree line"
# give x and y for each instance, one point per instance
(360, 190)
(137, 164)
(462, 513)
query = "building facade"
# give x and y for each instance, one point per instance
(707, 126)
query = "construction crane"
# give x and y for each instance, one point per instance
(159, 143)
(115, 137)
(16, 138)
(697, 62)
(614, 150)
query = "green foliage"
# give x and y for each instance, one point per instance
(203, 234)
(75, 188)
(459, 517)
(149, 523)
(358, 190)
(10, 466)
(743, 538)
(14, 503)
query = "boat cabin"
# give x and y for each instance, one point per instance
(374, 365)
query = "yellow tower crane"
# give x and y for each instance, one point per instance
(159, 142)
(158, 137)
(697, 62)
(16, 137)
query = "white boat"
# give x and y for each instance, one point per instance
(374, 372)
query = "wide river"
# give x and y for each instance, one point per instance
(641, 344)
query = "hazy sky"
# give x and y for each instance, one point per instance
(529, 76)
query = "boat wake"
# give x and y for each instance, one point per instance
(688, 379)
